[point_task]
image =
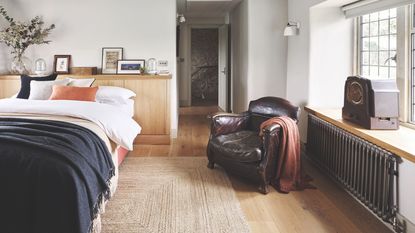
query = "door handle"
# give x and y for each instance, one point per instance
(224, 71)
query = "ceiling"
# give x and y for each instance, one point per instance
(204, 8)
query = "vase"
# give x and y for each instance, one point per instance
(20, 65)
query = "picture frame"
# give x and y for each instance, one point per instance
(110, 57)
(130, 66)
(61, 64)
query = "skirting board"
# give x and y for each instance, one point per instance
(153, 140)
(408, 225)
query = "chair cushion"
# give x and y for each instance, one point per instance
(242, 146)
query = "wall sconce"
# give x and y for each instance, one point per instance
(292, 29)
(181, 18)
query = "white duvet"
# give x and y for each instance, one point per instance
(118, 126)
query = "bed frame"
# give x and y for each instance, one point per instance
(152, 104)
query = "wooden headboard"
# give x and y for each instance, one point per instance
(152, 104)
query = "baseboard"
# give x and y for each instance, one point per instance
(184, 103)
(409, 227)
(173, 133)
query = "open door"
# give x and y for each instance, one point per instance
(223, 67)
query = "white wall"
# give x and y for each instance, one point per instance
(259, 51)
(331, 56)
(298, 58)
(143, 28)
(239, 57)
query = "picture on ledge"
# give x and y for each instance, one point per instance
(110, 57)
(130, 66)
(61, 64)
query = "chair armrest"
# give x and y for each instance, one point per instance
(271, 129)
(226, 123)
(271, 141)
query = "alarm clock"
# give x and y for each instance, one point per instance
(372, 104)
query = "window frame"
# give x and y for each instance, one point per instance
(404, 70)
(378, 51)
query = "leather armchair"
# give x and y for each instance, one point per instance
(235, 143)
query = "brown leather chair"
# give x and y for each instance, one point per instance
(235, 143)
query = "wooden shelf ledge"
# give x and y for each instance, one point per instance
(101, 77)
(400, 142)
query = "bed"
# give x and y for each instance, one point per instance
(59, 163)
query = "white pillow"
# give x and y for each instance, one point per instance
(114, 95)
(126, 107)
(81, 82)
(42, 90)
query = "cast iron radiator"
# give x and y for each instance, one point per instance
(367, 171)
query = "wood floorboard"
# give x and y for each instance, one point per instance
(327, 208)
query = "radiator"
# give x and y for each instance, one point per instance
(367, 171)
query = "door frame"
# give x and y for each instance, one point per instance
(188, 55)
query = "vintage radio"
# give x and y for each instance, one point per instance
(372, 104)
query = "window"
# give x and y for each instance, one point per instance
(378, 44)
(386, 49)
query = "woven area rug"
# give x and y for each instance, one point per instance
(173, 195)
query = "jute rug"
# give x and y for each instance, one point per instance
(173, 195)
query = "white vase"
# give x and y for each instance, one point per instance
(20, 65)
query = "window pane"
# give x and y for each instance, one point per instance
(384, 43)
(384, 58)
(393, 26)
(392, 73)
(374, 28)
(374, 44)
(374, 17)
(374, 71)
(365, 29)
(392, 56)
(365, 18)
(365, 58)
(365, 71)
(392, 43)
(384, 14)
(374, 58)
(365, 44)
(393, 13)
(384, 72)
(384, 27)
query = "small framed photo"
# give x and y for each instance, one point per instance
(130, 66)
(110, 56)
(61, 64)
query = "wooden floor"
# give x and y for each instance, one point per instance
(325, 209)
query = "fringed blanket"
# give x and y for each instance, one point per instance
(290, 176)
(54, 176)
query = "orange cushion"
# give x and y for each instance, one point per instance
(74, 93)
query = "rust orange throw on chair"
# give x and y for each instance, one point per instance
(290, 176)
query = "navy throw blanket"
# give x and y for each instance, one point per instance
(52, 176)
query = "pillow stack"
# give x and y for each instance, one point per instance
(41, 88)
(24, 92)
(48, 88)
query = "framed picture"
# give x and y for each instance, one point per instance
(110, 56)
(130, 66)
(61, 64)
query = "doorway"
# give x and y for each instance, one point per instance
(204, 66)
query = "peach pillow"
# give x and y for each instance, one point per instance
(74, 93)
